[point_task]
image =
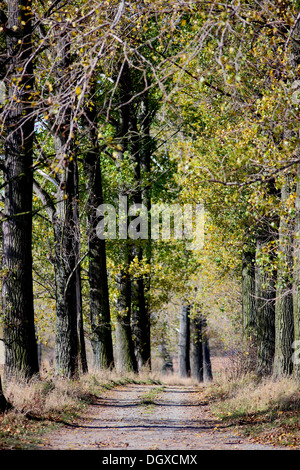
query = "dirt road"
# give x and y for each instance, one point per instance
(139, 417)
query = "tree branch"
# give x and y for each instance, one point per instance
(74, 271)
(45, 199)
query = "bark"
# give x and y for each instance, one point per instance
(145, 150)
(17, 290)
(66, 344)
(296, 282)
(207, 369)
(184, 369)
(265, 306)
(125, 357)
(130, 306)
(196, 352)
(248, 292)
(80, 326)
(199, 350)
(140, 321)
(65, 224)
(249, 314)
(133, 130)
(101, 340)
(4, 404)
(284, 319)
(296, 263)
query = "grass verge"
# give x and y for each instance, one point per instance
(268, 411)
(49, 401)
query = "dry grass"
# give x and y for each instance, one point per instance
(248, 396)
(267, 410)
(174, 380)
(51, 396)
(48, 395)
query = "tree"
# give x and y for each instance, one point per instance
(284, 319)
(64, 222)
(196, 349)
(295, 61)
(296, 278)
(65, 267)
(248, 287)
(4, 404)
(249, 313)
(184, 342)
(18, 118)
(99, 295)
(265, 295)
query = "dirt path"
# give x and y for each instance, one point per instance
(139, 417)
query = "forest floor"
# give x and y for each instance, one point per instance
(149, 417)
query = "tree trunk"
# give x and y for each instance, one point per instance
(4, 405)
(66, 267)
(125, 354)
(100, 319)
(133, 130)
(249, 314)
(145, 150)
(207, 369)
(129, 308)
(196, 352)
(125, 357)
(265, 307)
(140, 321)
(80, 323)
(296, 264)
(17, 291)
(66, 222)
(66, 264)
(248, 293)
(296, 282)
(284, 320)
(184, 369)
(66, 344)
(80, 326)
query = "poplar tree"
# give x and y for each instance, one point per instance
(18, 119)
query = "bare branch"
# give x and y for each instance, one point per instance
(45, 199)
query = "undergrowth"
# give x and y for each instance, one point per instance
(266, 410)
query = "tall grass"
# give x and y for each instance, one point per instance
(247, 396)
(51, 397)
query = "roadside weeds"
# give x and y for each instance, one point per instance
(266, 410)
